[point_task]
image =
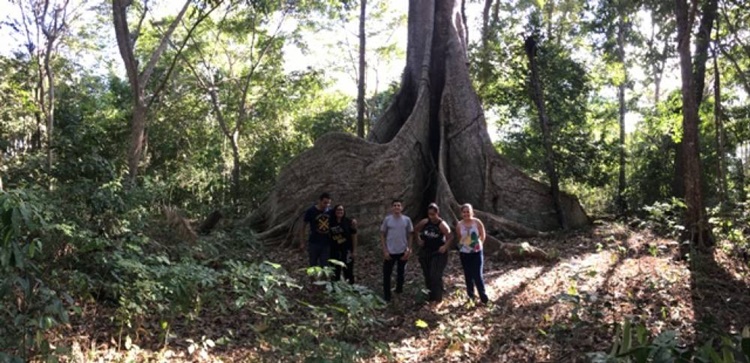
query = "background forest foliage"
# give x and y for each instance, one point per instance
(226, 111)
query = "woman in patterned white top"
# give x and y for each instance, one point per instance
(470, 234)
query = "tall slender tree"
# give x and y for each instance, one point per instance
(537, 97)
(361, 81)
(695, 219)
(45, 24)
(719, 124)
(139, 76)
(231, 77)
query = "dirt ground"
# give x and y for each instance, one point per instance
(548, 311)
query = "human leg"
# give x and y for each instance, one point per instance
(437, 267)
(336, 254)
(466, 264)
(400, 273)
(424, 262)
(479, 277)
(349, 271)
(387, 272)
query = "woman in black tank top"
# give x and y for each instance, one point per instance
(434, 237)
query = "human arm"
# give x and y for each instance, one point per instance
(386, 254)
(355, 239)
(446, 230)
(302, 236)
(355, 242)
(383, 229)
(457, 234)
(418, 230)
(482, 233)
(410, 241)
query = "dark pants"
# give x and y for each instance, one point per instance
(318, 254)
(388, 271)
(344, 255)
(433, 265)
(473, 263)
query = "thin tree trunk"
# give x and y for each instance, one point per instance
(486, 24)
(698, 70)
(702, 41)
(138, 80)
(235, 167)
(621, 205)
(537, 96)
(137, 134)
(50, 107)
(659, 72)
(738, 70)
(740, 187)
(362, 71)
(719, 130)
(695, 218)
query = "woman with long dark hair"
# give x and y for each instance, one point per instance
(344, 243)
(434, 237)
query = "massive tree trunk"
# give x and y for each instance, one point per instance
(430, 145)
(695, 219)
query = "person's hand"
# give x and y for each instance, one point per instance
(420, 242)
(406, 255)
(386, 255)
(443, 249)
(354, 222)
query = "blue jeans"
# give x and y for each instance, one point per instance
(318, 254)
(473, 264)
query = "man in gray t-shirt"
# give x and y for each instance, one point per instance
(396, 238)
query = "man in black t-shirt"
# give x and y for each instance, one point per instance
(319, 240)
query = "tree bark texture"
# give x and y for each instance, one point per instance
(537, 96)
(698, 69)
(431, 145)
(695, 219)
(361, 84)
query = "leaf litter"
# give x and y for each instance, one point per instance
(553, 311)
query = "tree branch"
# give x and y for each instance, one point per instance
(156, 54)
(137, 32)
(737, 68)
(164, 81)
(122, 34)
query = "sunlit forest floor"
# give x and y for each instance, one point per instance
(539, 312)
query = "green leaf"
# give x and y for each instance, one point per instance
(337, 263)
(421, 324)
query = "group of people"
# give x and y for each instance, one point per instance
(334, 236)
